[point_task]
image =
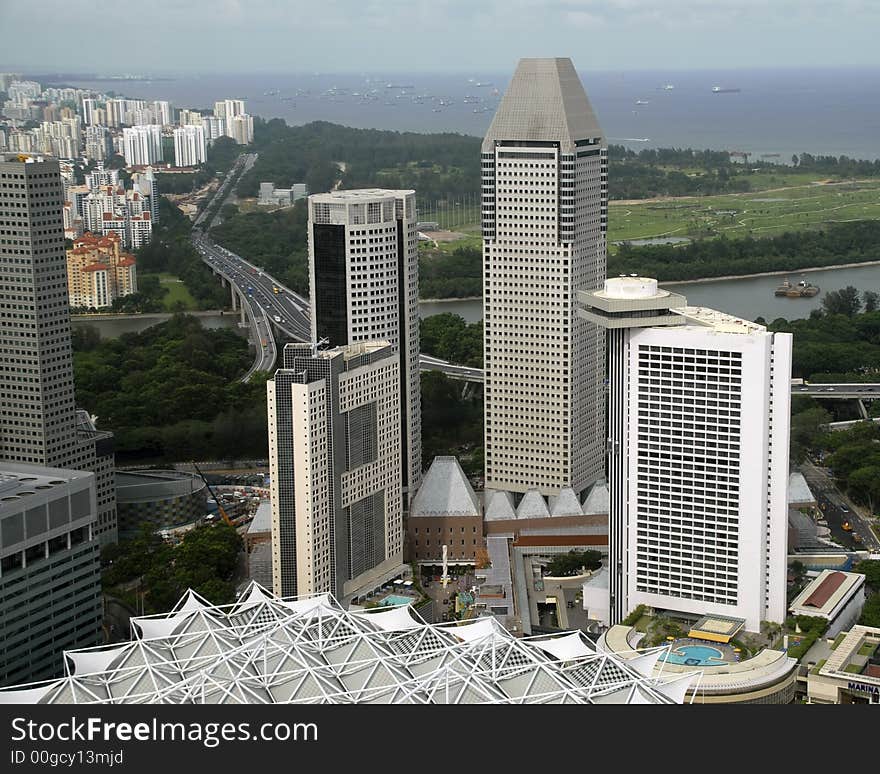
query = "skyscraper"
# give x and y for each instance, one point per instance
(698, 436)
(334, 462)
(364, 286)
(544, 208)
(39, 423)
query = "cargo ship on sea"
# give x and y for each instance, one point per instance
(721, 90)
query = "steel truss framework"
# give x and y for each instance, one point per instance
(271, 650)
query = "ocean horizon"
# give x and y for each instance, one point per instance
(768, 113)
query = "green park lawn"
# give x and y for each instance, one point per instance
(803, 204)
(177, 291)
(739, 215)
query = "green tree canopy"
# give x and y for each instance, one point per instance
(574, 562)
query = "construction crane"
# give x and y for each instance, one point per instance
(216, 499)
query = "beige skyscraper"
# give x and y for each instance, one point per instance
(544, 201)
(334, 461)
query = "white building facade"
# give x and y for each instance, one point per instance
(142, 145)
(189, 146)
(698, 437)
(364, 286)
(543, 219)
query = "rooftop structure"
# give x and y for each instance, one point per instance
(271, 650)
(716, 628)
(445, 511)
(768, 677)
(851, 673)
(834, 595)
(445, 491)
(799, 491)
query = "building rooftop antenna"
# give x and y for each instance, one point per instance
(316, 345)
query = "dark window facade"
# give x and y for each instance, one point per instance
(330, 300)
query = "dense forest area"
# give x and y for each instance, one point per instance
(452, 422)
(172, 392)
(171, 251)
(435, 165)
(276, 241)
(458, 274)
(205, 561)
(449, 337)
(838, 243)
(836, 347)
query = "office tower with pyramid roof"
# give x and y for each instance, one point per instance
(544, 206)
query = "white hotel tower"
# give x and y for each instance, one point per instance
(543, 215)
(698, 433)
(364, 286)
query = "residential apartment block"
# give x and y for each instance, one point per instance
(98, 272)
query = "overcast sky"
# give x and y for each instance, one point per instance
(155, 36)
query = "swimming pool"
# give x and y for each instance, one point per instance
(395, 599)
(694, 655)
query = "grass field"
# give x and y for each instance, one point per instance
(177, 291)
(764, 213)
(797, 202)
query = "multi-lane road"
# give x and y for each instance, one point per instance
(839, 391)
(836, 510)
(285, 310)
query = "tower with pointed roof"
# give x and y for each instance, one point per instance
(544, 201)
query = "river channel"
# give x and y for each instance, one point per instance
(749, 297)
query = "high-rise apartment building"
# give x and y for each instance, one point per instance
(241, 129)
(50, 570)
(334, 461)
(214, 127)
(162, 112)
(39, 424)
(145, 184)
(189, 146)
(543, 217)
(189, 117)
(89, 106)
(99, 146)
(364, 286)
(698, 433)
(142, 145)
(98, 272)
(228, 108)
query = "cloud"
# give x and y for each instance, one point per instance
(304, 35)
